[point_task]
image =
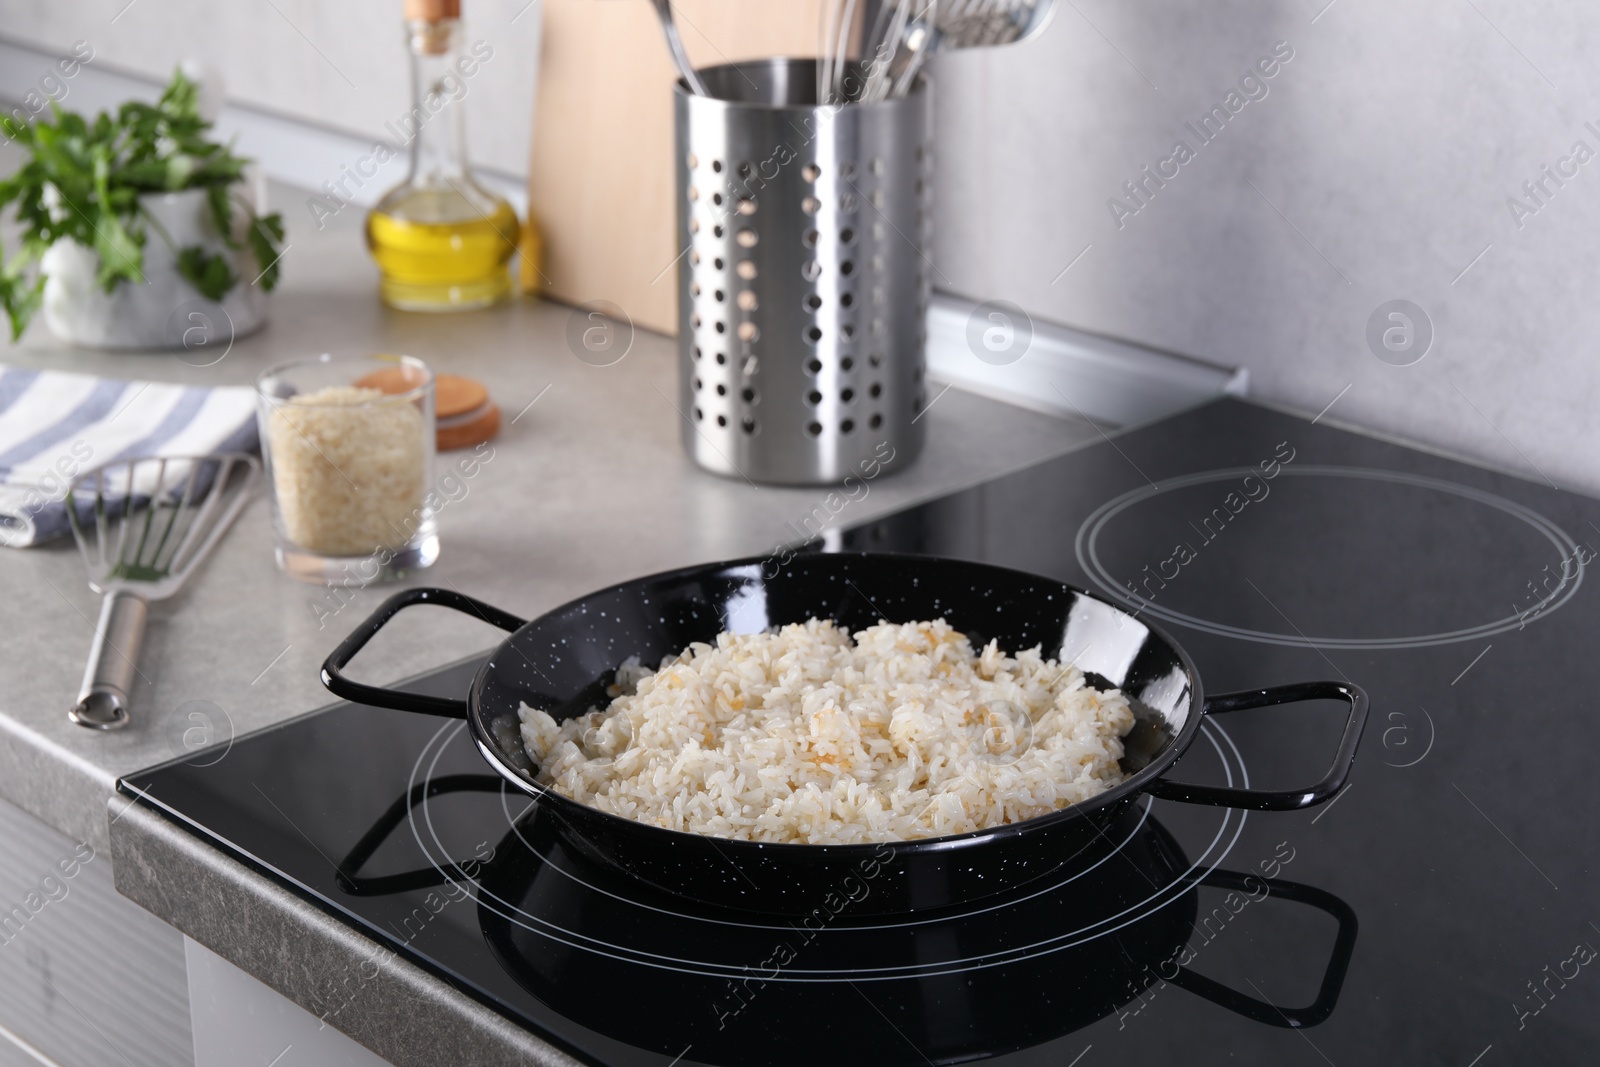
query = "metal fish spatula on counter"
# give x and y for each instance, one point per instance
(142, 526)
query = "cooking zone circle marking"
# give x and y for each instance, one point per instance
(1087, 547)
(1226, 835)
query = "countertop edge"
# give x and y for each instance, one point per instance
(33, 769)
(406, 1015)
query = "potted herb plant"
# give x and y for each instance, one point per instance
(136, 228)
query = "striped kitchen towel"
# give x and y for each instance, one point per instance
(54, 425)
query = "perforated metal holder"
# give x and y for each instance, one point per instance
(804, 292)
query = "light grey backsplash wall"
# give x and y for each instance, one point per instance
(1377, 166)
(341, 65)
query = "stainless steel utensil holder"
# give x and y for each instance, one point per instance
(804, 288)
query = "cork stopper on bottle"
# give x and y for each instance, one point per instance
(432, 10)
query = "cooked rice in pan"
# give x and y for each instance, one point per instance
(808, 736)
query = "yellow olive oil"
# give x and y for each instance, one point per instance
(442, 241)
(440, 252)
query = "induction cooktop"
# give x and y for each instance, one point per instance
(1441, 909)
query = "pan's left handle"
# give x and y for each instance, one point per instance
(333, 667)
(1280, 799)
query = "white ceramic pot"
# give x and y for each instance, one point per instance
(166, 311)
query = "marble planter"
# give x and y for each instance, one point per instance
(166, 311)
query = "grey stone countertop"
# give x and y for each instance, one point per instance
(587, 486)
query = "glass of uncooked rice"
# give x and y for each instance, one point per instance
(348, 443)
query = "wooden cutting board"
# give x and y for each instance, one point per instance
(600, 181)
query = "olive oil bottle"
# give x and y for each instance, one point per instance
(441, 240)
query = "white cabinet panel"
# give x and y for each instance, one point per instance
(87, 977)
(237, 1020)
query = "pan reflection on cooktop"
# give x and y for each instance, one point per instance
(1009, 973)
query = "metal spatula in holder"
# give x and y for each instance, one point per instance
(142, 526)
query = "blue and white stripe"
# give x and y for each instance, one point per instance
(55, 425)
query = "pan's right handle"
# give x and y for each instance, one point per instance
(107, 688)
(1258, 1008)
(333, 667)
(1279, 799)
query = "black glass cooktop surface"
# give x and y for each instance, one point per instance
(1441, 909)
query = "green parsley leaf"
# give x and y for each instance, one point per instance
(81, 180)
(208, 273)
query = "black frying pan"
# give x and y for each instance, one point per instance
(562, 662)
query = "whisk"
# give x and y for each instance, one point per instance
(142, 525)
(906, 32)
